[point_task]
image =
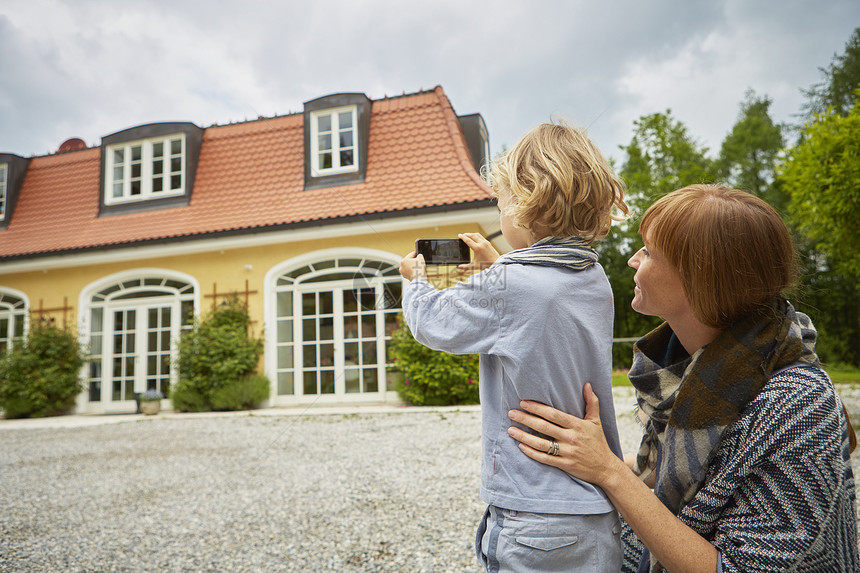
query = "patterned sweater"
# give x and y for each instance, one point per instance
(779, 493)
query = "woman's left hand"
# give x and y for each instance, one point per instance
(583, 453)
(582, 448)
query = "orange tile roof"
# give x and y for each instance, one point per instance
(250, 177)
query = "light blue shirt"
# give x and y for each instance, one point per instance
(542, 333)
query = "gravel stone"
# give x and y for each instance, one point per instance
(270, 490)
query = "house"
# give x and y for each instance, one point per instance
(304, 216)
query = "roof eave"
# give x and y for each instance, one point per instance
(296, 225)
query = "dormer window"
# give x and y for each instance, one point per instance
(145, 169)
(336, 149)
(336, 135)
(149, 167)
(477, 141)
(4, 169)
(12, 172)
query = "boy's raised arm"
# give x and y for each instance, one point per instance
(462, 319)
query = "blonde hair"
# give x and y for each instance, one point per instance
(732, 250)
(560, 181)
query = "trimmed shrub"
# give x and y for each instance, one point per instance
(217, 359)
(39, 377)
(430, 377)
(243, 394)
(186, 398)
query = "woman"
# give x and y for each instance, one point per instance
(745, 442)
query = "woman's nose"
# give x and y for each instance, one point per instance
(634, 260)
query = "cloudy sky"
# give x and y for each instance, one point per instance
(89, 68)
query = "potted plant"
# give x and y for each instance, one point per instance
(150, 402)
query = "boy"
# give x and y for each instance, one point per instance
(541, 319)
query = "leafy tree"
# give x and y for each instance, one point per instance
(750, 152)
(615, 249)
(822, 174)
(829, 290)
(836, 91)
(661, 157)
(832, 300)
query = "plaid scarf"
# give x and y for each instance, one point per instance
(570, 252)
(691, 400)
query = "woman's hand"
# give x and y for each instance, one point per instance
(413, 266)
(582, 452)
(485, 253)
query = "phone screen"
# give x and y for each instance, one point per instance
(443, 251)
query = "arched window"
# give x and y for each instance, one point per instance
(333, 319)
(13, 319)
(133, 322)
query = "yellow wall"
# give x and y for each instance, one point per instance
(226, 268)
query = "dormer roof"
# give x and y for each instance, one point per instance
(250, 178)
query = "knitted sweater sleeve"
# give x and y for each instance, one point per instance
(780, 491)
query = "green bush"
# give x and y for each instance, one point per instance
(186, 398)
(243, 394)
(430, 377)
(216, 362)
(39, 377)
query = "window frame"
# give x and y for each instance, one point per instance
(336, 149)
(126, 290)
(327, 270)
(4, 186)
(193, 141)
(146, 175)
(15, 310)
(326, 105)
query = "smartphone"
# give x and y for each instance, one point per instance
(443, 251)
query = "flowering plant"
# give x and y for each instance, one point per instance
(151, 395)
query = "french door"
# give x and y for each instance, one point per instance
(13, 321)
(132, 322)
(339, 332)
(139, 348)
(329, 329)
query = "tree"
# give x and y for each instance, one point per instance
(750, 152)
(822, 174)
(615, 249)
(661, 157)
(829, 289)
(836, 91)
(832, 300)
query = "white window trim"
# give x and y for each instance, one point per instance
(336, 168)
(86, 304)
(270, 309)
(4, 189)
(146, 175)
(485, 168)
(23, 313)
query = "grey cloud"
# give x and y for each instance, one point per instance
(516, 63)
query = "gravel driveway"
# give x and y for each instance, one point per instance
(377, 490)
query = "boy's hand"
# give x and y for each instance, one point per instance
(485, 253)
(412, 267)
